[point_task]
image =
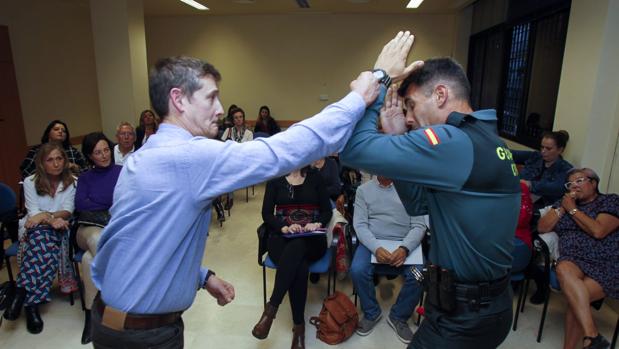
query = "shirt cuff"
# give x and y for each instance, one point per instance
(203, 272)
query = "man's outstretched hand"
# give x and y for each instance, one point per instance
(366, 86)
(392, 58)
(220, 290)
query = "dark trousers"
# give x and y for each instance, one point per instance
(466, 328)
(165, 337)
(293, 257)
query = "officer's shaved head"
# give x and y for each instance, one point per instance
(439, 71)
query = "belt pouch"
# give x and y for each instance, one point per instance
(433, 286)
(447, 291)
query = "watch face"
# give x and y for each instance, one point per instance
(379, 74)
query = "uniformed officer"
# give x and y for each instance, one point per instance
(457, 169)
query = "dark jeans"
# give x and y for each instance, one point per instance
(165, 337)
(465, 327)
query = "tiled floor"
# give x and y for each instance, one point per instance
(231, 251)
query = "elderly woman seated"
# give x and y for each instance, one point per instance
(50, 194)
(587, 223)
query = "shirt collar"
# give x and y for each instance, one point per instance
(456, 118)
(169, 129)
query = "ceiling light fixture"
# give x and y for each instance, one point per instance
(414, 3)
(195, 4)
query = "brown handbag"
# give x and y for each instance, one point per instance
(337, 320)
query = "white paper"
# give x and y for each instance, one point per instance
(415, 257)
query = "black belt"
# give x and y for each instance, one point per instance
(481, 292)
(118, 320)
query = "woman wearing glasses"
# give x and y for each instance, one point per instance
(293, 204)
(545, 171)
(587, 223)
(93, 199)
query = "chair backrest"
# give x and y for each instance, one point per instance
(261, 135)
(521, 256)
(8, 200)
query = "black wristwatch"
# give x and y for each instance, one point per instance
(382, 76)
(209, 273)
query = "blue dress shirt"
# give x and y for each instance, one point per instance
(149, 255)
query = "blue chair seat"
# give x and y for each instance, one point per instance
(77, 257)
(12, 250)
(318, 267)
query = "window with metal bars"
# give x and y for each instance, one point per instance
(515, 69)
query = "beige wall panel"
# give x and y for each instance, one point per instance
(54, 63)
(287, 62)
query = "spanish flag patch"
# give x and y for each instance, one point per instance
(432, 137)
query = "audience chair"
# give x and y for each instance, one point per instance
(76, 254)
(253, 192)
(8, 222)
(261, 135)
(521, 257)
(321, 266)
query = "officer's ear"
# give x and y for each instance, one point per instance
(441, 94)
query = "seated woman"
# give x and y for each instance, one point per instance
(148, 127)
(545, 171)
(265, 123)
(93, 199)
(587, 223)
(239, 132)
(295, 203)
(56, 131)
(49, 193)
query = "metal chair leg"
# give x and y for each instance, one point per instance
(614, 341)
(264, 286)
(520, 300)
(9, 269)
(541, 323)
(421, 305)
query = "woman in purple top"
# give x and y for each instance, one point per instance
(93, 199)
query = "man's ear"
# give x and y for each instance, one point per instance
(441, 95)
(176, 99)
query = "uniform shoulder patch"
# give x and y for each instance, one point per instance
(432, 136)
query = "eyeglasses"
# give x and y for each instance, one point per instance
(578, 182)
(101, 152)
(125, 134)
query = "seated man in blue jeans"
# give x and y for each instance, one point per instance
(380, 215)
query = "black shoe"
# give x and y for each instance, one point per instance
(539, 297)
(34, 323)
(86, 332)
(314, 278)
(597, 342)
(14, 309)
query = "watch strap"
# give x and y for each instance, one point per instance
(385, 79)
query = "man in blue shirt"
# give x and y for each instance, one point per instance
(147, 266)
(457, 169)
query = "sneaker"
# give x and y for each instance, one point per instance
(366, 326)
(402, 331)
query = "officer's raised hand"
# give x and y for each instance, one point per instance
(392, 117)
(392, 58)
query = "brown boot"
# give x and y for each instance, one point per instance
(262, 328)
(298, 337)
